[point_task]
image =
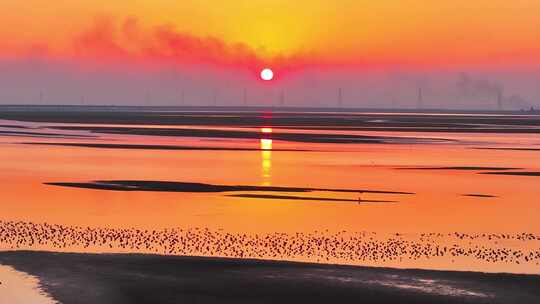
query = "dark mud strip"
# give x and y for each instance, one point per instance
(509, 149)
(157, 147)
(479, 195)
(167, 186)
(459, 168)
(428, 129)
(141, 279)
(305, 198)
(519, 173)
(13, 126)
(295, 137)
(41, 134)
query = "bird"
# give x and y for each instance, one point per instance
(323, 246)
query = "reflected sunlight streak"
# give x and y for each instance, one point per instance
(266, 161)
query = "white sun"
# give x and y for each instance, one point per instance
(267, 74)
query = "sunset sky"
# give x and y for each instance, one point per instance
(292, 37)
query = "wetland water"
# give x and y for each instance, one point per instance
(437, 191)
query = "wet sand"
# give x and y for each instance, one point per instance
(121, 278)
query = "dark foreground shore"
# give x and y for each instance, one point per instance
(122, 278)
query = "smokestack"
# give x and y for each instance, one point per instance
(147, 98)
(245, 97)
(340, 98)
(420, 103)
(182, 98)
(499, 99)
(214, 97)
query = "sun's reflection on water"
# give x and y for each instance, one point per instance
(266, 154)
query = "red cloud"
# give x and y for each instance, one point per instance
(108, 41)
(112, 42)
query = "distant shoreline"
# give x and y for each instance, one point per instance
(128, 120)
(70, 107)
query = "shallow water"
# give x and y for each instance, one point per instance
(447, 197)
(20, 288)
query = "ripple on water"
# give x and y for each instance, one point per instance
(21, 288)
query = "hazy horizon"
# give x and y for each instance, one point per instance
(39, 82)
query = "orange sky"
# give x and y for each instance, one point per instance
(415, 33)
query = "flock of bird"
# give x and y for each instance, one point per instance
(318, 246)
